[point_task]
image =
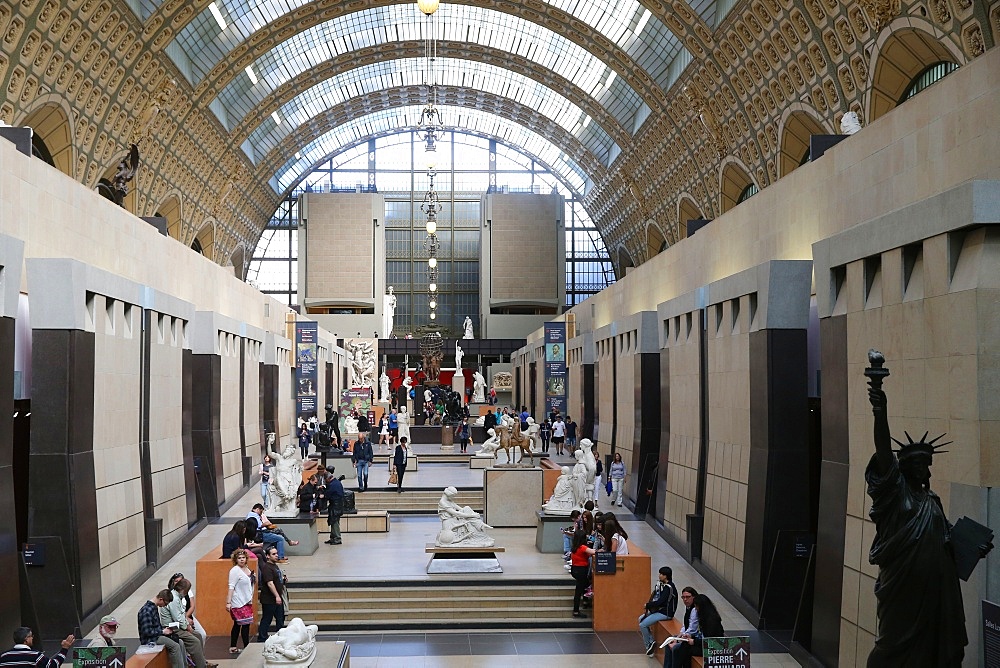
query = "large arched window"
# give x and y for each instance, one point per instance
(907, 62)
(747, 193)
(929, 76)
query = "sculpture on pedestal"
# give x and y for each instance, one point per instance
(408, 384)
(478, 388)
(588, 459)
(294, 645)
(460, 527)
(362, 363)
(459, 354)
(511, 437)
(849, 123)
(467, 326)
(403, 423)
(431, 354)
(383, 385)
(285, 478)
(490, 445)
(579, 478)
(351, 424)
(921, 621)
(563, 499)
(388, 312)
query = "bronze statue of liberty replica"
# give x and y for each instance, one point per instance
(919, 553)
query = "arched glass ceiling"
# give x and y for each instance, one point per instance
(396, 23)
(626, 23)
(387, 121)
(450, 72)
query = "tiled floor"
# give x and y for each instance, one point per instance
(400, 554)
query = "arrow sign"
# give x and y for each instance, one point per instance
(732, 652)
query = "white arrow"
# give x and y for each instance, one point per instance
(116, 662)
(742, 653)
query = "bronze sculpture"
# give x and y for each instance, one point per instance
(921, 621)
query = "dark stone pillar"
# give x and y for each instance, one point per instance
(777, 483)
(62, 501)
(269, 400)
(834, 470)
(206, 377)
(587, 402)
(10, 612)
(243, 420)
(646, 435)
(194, 510)
(663, 459)
(153, 526)
(532, 389)
(595, 404)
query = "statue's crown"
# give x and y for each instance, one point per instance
(921, 447)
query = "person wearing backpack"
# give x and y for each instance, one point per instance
(662, 605)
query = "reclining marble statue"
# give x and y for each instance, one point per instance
(919, 554)
(563, 499)
(294, 645)
(460, 526)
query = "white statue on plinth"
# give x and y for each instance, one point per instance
(478, 388)
(427, 396)
(460, 527)
(408, 384)
(535, 441)
(467, 326)
(362, 363)
(285, 479)
(403, 423)
(459, 354)
(490, 445)
(294, 645)
(351, 424)
(388, 313)
(579, 479)
(383, 386)
(591, 463)
(563, 499)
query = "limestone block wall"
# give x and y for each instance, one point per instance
(681, 345)
(605, 390)
(251, 418)
(229, 413)
(574, 369)
(117, 362)
(168, 341)
(286, 398)
(928, 302)
(728, 347)
(523, 249)
(627, 345)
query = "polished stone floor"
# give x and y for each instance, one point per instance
(399, 555)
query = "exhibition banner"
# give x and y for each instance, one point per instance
(306, 374)
(556, 385)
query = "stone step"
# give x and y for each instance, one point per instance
(413, 500)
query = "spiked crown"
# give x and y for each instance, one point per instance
(921, 447)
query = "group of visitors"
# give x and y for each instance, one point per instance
(590, 532)
(701, 620)
(168, 619)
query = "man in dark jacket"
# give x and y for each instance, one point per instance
(334, 508)
(362, 456)
(662, 605)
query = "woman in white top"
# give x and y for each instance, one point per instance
(615, 538)
(241, 582)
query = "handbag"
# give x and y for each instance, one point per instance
(608, 486)
(393, 478)
(242, 615)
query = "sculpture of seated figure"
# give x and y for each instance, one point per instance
(460, 527)
(294, 645)
(351, 424)
(563, 499)
(490, 445)
(534, 440)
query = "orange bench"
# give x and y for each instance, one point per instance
(213, 588)
(158, 660)
(665, 629)
(619, 598)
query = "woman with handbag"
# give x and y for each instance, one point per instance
(239, 602)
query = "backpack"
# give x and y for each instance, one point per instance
(671, 600)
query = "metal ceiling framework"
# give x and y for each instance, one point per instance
(574, 80)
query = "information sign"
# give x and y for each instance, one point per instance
(733, 651)
(991, 634)
(99, 657)
(556, 385)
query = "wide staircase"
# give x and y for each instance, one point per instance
(464, 605)
(414, 501)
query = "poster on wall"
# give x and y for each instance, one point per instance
(306, 375)
(556, 384)
(354, 400)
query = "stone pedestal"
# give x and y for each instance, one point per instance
(447, 438)
(548, 535)
(480, 462)
(303, 530)
(458, 383)
(512, 497)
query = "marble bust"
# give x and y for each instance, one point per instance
(294, 645)
(460, 526)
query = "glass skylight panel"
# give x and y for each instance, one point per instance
(450, 72)
(485, 27)
(392, 120)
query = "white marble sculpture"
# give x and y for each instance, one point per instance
(388, 313)
(459, 354)
(408, 384)
(467, 326)
(294, 645)
(403, 423)
(850, 123)
(460, 527)
(563, 499)
(478, 388)
(351, 424)
(579, 478)
(285, 478)
(591, 463)
(535, 441)
(383, 386)
(490, 445)
(427, 396)
(362, 363)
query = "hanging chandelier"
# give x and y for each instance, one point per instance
(430, 128)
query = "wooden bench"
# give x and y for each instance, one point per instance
(158, 660)
(665, 629)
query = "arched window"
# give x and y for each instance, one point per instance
(929, 76)
(747, 193)
(40, 150)
(196, 247)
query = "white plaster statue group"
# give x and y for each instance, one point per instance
(478, 388)
(467, 326)
(574, 487)
(362, 363)
(285, 478)
(460, 526)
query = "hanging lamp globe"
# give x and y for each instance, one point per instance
(433, 315)
(428, 7)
